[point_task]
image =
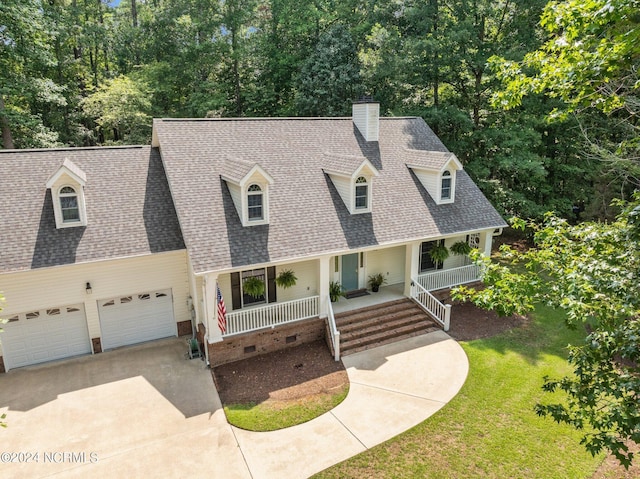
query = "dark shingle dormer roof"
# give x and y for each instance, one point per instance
(129, 207)
(306, 214)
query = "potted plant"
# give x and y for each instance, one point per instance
(286, 279)
(461, 248)
(253, 286)
(439, 253)
(335, 291)
(376, 280)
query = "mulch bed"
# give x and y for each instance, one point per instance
(310, 369)
(285, 375)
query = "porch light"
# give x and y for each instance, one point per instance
(88, 288)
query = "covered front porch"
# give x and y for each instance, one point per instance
(407, 272)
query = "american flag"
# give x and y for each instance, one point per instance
(222, 312)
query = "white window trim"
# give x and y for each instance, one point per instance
(56, 196)
(452, 187)
(265, 205)
(367, 209)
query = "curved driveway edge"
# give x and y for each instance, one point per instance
(393, 388)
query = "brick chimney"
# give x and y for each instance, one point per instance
(366, 116)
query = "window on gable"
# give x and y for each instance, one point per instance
(69, 205)
(362, 193)
(255, 203)
(445, 190)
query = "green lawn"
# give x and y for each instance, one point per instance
(268, 416)
(490, 430)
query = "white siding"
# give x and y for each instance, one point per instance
(307, 284)
(454, 260)
(366, 117)
(430, 183)
(236, 196)
(50, 287)
(388, 260)
(344, 188)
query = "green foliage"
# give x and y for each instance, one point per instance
(591, 272)
(119, 109)
(336, 291)
(286, 279)
(439, 253)
(460, 248)
(376, 280)
(330, 77)
(253, 286)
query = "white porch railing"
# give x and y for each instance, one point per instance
(428, 302)
(333, 329)
(447, 278)
(253, 319)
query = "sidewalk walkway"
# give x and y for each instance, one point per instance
(393, 388)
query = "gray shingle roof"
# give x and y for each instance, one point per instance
(306, 215)
(129, 207)
(430, 160)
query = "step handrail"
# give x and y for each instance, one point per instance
(333, 330)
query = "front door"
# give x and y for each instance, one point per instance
(350, 272)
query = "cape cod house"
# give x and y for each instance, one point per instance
(106, 247)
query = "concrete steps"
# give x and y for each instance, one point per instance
(373, 326)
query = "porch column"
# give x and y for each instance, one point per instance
(214, 335)
(486, 241)
(324, 278)
(412, 258)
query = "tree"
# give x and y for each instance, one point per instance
(590, 271)
(25, 53)
(119, 108)
(590, 61)
(330, 77)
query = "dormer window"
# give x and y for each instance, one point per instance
(362, 193)
(67, 193)
(255, 203)
(249, 186)
(69, 205)
(437, 172)
(445, 186)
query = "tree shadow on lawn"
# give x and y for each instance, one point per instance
(542, 332)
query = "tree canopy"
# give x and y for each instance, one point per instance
(590, 271)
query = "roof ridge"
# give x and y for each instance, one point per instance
(75, 148)
(281, 118)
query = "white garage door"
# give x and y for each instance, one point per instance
(136, 318)
(45, 335)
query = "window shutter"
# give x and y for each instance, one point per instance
(236, 299)
(271, 284)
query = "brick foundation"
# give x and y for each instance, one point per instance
(97, 345)
(265, 341)
(184, 328)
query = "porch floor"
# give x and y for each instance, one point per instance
(385, 295)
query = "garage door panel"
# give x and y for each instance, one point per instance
(136, 318)
(45, 335)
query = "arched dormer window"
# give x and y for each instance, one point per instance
(69, 205)
(255, 203)
(445, 186)
(362, 193)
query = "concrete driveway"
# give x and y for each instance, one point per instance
(142, 411)
(145, 411)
